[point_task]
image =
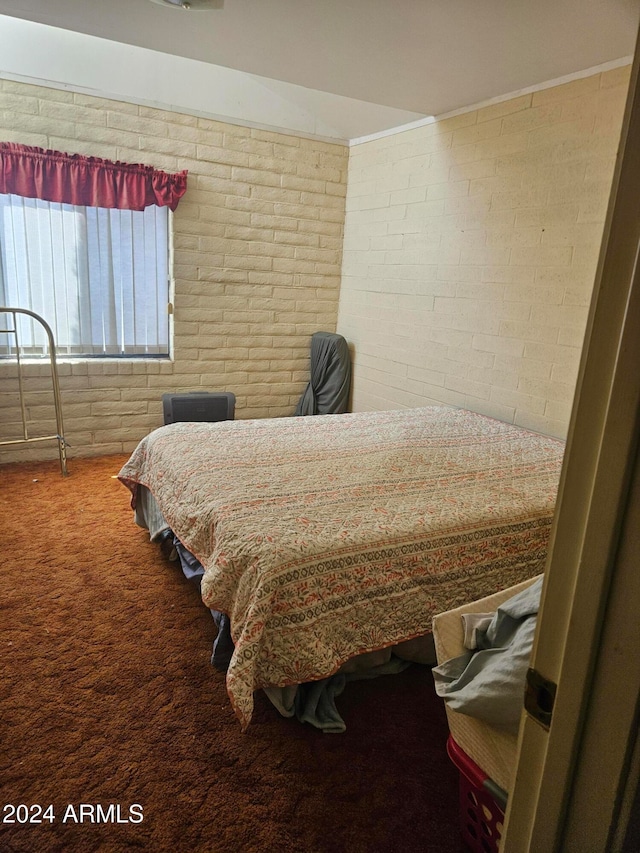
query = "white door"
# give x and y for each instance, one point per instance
(575, 781)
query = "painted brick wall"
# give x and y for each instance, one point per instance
(470, 252)
(258, 244)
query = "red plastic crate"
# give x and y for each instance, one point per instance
(481, 816)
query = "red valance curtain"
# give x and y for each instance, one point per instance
(89, 181)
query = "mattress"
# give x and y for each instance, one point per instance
(331, 536)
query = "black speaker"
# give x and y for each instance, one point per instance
(199, 406)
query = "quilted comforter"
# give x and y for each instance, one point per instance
(325, 537)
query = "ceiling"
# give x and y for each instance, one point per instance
(419, 57)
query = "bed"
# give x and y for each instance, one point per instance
(325, 538)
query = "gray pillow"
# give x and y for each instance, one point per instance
(489, 681)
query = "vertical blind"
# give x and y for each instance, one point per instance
(100, 277)
(84, 242)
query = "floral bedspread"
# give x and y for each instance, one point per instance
(324, 537)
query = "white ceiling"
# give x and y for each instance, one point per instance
(410, 58)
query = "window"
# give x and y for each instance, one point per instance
(100, 277)
(84, 243)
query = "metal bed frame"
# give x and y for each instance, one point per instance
(59, 436)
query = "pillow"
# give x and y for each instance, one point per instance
(489, 682)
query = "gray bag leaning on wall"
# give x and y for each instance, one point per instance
(328, 390)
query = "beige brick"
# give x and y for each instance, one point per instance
(549, 389)
(504, 108)
(39, 124)
(503, 346)
(579, 294)
(448, 190)
(572, 336)
(472, 170)
(558, 413)
(477, 132)
(135, 123)
(529, 331)
(518, 400)
(586, 193)
(13, 102)
(485, 256)
(494, 377)
(523, 366)
(550, 353)
(600, 169)
(488, 186)
(185, 121)
(565, 374)
(527, 237)
(97, 103)
(521, 197)
(21, 136)
(616, 77)
(535, 117)
(532, 294)
(566, 91)
(508, 143)
(589, 234)
(537, 256)
(548, 216)
(565, 131)
(458, 273)
(71, 112)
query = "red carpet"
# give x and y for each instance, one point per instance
(112, 715)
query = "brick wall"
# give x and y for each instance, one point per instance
(258, 243)
(470, 252)
(470, 248)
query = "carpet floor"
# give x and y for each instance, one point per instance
(117, 733)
